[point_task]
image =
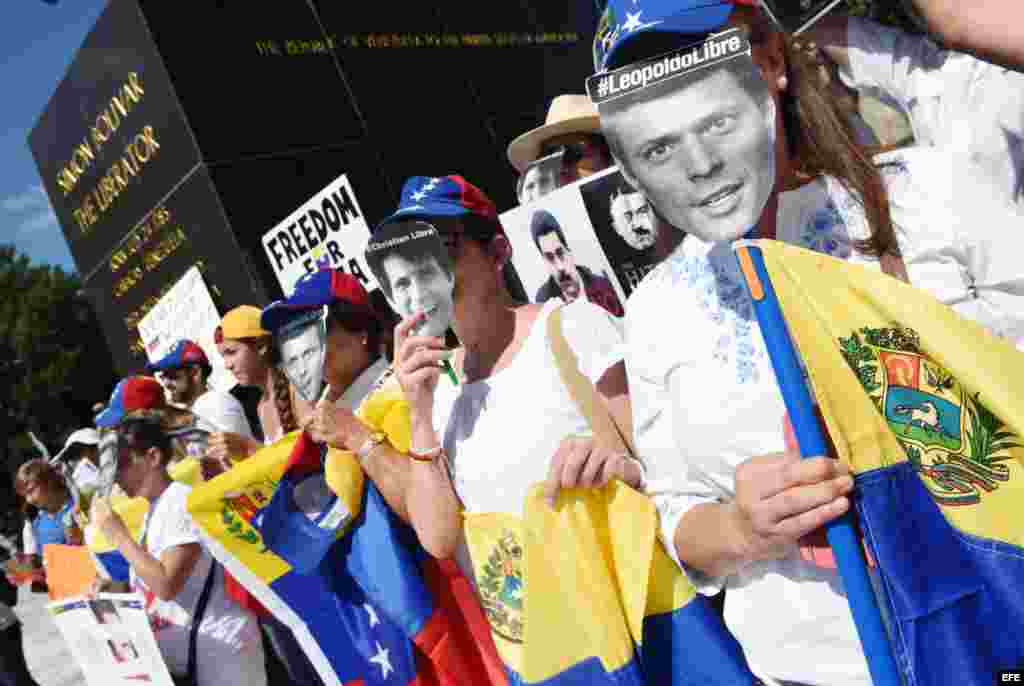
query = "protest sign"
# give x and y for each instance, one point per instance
(556, 252)
(186, 311)
(328, 230)
(111, 639)
(70, 570)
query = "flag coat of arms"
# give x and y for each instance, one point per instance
(584, 594)
(928, 410)
(346, 637)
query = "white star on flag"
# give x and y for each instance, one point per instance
(383, 661)
(418, 195)
(374, 620)
(412, 207)
(633, 22)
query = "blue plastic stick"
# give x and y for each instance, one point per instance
(842, 534)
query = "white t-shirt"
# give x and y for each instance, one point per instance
(501, 432)
(229, 651)
(705, 399)
(28, 540)
(86, 476)
(953, 100)
(219, 411)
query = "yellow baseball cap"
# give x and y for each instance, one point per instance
(241, 322)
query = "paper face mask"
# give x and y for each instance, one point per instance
(302, 344)
(694, 131)
(415, 272)
(540, 178)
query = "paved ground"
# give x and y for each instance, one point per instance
(47, 654)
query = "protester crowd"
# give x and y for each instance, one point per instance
(680, 367)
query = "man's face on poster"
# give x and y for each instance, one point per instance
(421, 285)
(302, 357)
(538, 181)
(633, 220)
(703, 154)
(561, 265)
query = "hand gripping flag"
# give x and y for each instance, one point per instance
(431, 600)
(109, 560)
(585, 594)
(259, 521)
(333, 563)
(928, 410)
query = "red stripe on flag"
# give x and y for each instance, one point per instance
(457, 638)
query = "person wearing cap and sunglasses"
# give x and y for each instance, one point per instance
(185, 371)
(170, 567)
(81, 455)
(737, 510)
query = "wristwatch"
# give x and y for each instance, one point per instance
(375, 439)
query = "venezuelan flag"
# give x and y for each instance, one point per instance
(109, 560)
(928, 410)
(350, 581)
(585, 594)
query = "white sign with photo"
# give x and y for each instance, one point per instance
(328, 230)
(186, 312)
(111, 639)
(556, 252)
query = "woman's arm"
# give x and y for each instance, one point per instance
(990, 29)
(780, 498)
(165, 576)
(433, 507)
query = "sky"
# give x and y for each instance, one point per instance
(37, 44)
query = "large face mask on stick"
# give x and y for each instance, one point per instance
(302, 344)
(694, 131)
(415, 272)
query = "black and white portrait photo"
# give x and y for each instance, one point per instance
(557, 254)
(414, 270)
(625, 226)
(302, 344)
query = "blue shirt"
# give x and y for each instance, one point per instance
(49, 528)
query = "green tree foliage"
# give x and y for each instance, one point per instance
(54, 362)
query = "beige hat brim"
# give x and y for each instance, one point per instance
(526, 148)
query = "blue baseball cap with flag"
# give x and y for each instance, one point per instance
(181, 354)
(313, 291)
(624, 20)
(441, 196)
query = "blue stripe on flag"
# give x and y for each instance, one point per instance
(952, 596)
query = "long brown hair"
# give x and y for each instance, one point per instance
(49, 478)
(279, 384)
(822, 141)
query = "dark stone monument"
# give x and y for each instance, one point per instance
(182, 133)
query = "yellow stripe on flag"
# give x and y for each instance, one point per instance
(224, 506)
(900, 376)
(585, 575)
